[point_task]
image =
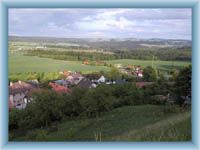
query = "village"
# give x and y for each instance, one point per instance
(20, 92)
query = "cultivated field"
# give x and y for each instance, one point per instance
(23, 64)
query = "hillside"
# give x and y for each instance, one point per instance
(129, 123)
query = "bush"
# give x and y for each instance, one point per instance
(97, 100)
(14, 116)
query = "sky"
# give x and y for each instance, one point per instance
(101, 23)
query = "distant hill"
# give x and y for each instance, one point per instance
(110, 44)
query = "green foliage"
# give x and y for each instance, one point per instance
(150, 74)
(113, 74)
(14, 116)
(71, 55)
(183, 54)
(183, 80)
(183, 83)
(97, 100)
(129, 123)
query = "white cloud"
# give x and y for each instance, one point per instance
(105, 20)
(161, 23)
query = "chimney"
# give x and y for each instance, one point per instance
(11, 84)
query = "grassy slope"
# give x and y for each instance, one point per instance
(158, 64)
(130, 123)
(20, 64)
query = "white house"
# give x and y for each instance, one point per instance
(140, 75)
(102, 79)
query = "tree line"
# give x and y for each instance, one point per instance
(144, 54)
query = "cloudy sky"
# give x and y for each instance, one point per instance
(101, 23)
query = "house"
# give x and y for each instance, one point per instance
(86, 83)
(62, 82)
(18, 94)
(59, 88)
(93, 76)
(74, 78)
(86, 62)
(118, 65)
(129, 67)
(120, 81)
(33, 82)
(65, 73)
(139, 73)
(102, 79)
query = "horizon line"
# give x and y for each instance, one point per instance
(29, 36)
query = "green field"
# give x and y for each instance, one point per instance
(157, 64)
(22, 64)
(129, 123)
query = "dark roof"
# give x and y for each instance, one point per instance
(119, 81)
(62, 82)
(76, 75)
(84, 83)
(19, 87)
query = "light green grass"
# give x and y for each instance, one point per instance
(129, 123)
(157, 64)
(22, 64)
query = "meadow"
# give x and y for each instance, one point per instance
(165, 65)
(128, 123)
(22, 64)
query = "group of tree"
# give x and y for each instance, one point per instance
(71, 55)
(141, 53)
(48, 106)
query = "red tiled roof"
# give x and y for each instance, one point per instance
(59, 88)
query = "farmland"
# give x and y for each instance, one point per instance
(156, 63)
(129, 123)
(22, 64)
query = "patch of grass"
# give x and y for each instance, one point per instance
(129, 123)
(174, 128)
